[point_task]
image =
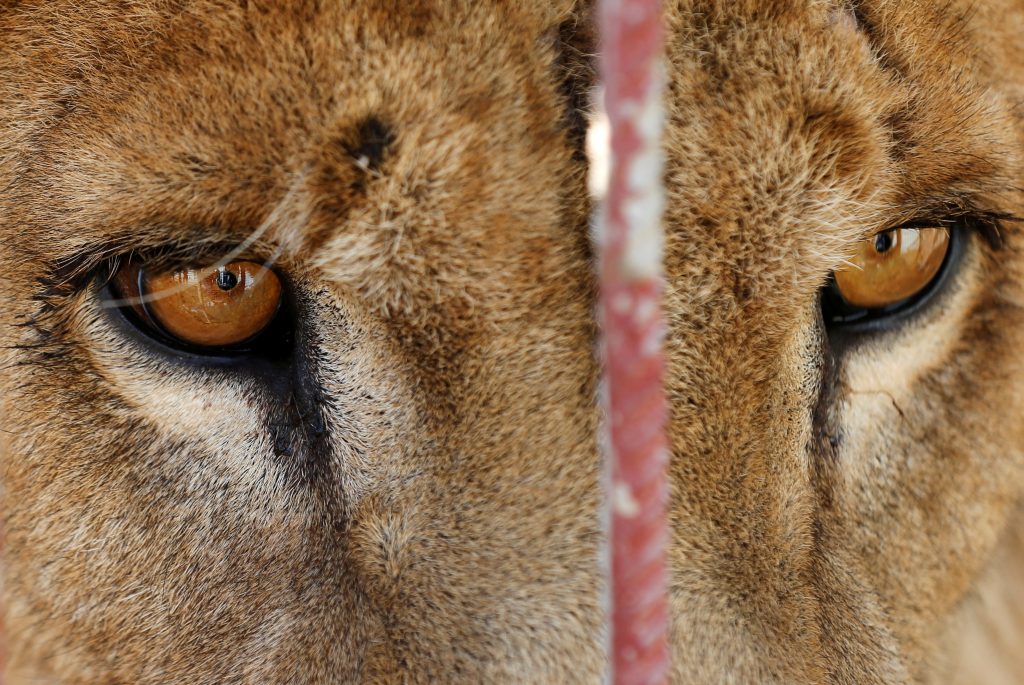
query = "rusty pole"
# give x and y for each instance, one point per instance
(632, 330)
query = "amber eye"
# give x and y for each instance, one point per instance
(210, 307)
(892, 267)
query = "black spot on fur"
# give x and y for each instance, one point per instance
(370, 144)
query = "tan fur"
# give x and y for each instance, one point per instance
(835, 504)
(419, 502)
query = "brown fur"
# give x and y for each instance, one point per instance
(842, 510)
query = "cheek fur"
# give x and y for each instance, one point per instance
(882, 373)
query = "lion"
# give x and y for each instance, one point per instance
(298, 379)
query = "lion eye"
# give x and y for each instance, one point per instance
(891, 268)
(210, 307)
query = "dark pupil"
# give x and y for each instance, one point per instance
(883, 242)
(226, 280)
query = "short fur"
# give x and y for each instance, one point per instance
(415, 498)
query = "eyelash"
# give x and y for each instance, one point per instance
(989, 225)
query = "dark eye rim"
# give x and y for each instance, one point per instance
(839, 316)
(272, 342)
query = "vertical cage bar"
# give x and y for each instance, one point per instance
(631, 238)
(3, 654)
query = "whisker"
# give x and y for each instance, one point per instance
(275, 217)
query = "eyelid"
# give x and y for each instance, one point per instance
(77, 269)
(159, 264)
(958, 212)
(922, 223)
(164, 259)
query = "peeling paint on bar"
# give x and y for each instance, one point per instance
(623, 501)
(644, 244)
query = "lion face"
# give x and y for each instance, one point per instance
(410, 486)
(398, 479)
(838, 483)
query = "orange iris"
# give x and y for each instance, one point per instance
(208, 307)
(892, 266)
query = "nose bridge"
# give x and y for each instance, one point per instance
(744, 497)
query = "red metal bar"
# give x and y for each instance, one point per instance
(632, 330)
(3, 664)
